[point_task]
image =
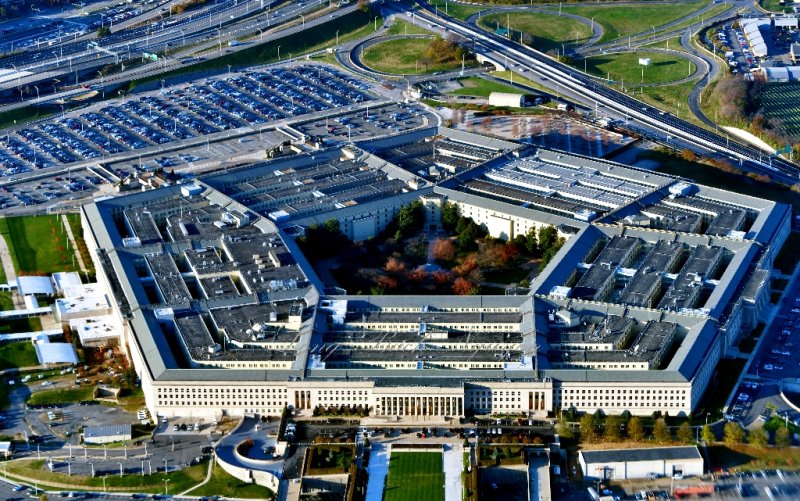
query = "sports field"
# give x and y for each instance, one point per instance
(782, 101)
(415, 476)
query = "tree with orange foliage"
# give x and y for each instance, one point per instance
(387, 283)
(394, 265)
(464, 287)
(469, 265)
(444, 250)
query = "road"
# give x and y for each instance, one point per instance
(529, 61)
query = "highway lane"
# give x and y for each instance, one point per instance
(558, 74)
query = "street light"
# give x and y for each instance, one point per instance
(279, 52)
(337, 38)
(165, 486)
(37, 93)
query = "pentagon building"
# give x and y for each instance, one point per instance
(223, 314)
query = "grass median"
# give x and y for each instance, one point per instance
(620, 21)
(543, 32)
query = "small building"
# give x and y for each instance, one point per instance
(507, 99)
(781, 73)
(37, 286)
(5, 449)
(64, 279)
(107, 434)
(97, 332)
(794, 52)
(622, 464)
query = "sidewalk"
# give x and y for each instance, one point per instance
(74, 245)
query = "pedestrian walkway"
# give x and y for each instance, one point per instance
(8, 264)
(452, 464)
(377, 470)
(72, 242)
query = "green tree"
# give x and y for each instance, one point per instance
(759, 437)
(547, 237)
(587, 428)
(707, 434)
(103, 31)
(611, 428)
(685, 433)
(410, 219)
(466, 239)
(635, 429)
(733, 433)
(661, 431)
(531, 242)
(783, 437)
(450, 215)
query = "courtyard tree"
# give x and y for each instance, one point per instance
(410, 219)
(463, 287)
(450, 215)
(444, 250)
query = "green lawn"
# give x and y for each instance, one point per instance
(179, 480)
(414, 476)
(6, 301)
(458, 11)
(773, 5)
(223, 484)
(403, 27)
(672, 98)
(625, 67)
(621, 21)
(18, 354)
(61, 395)
(38, 244)
(403, 57)
(547, 31)
(480, 87)
(28, 324)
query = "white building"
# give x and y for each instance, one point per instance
(623, 464)
(107, 434)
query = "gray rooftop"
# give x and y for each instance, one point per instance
(648, 454)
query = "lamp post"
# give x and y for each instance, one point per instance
(166, 493)
(37, 93)
(279, 53)
(337, 38)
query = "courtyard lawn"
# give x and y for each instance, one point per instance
(625, 67)
(480, 87)
(38, 244)
(17, 354)
(414, 476)
(619, 21)
(403, 57)
(6, 301)
(548, 31)
(28, 324)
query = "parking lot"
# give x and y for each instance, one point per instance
(757, 398)
(250, 99)
(73, 186)
(368, 123)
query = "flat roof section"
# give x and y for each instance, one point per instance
(168, 278)
(196, 338)
(645, 283)
(685, 291)
(142, 225)
(673, 219)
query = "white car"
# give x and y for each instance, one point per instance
(768, 367)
